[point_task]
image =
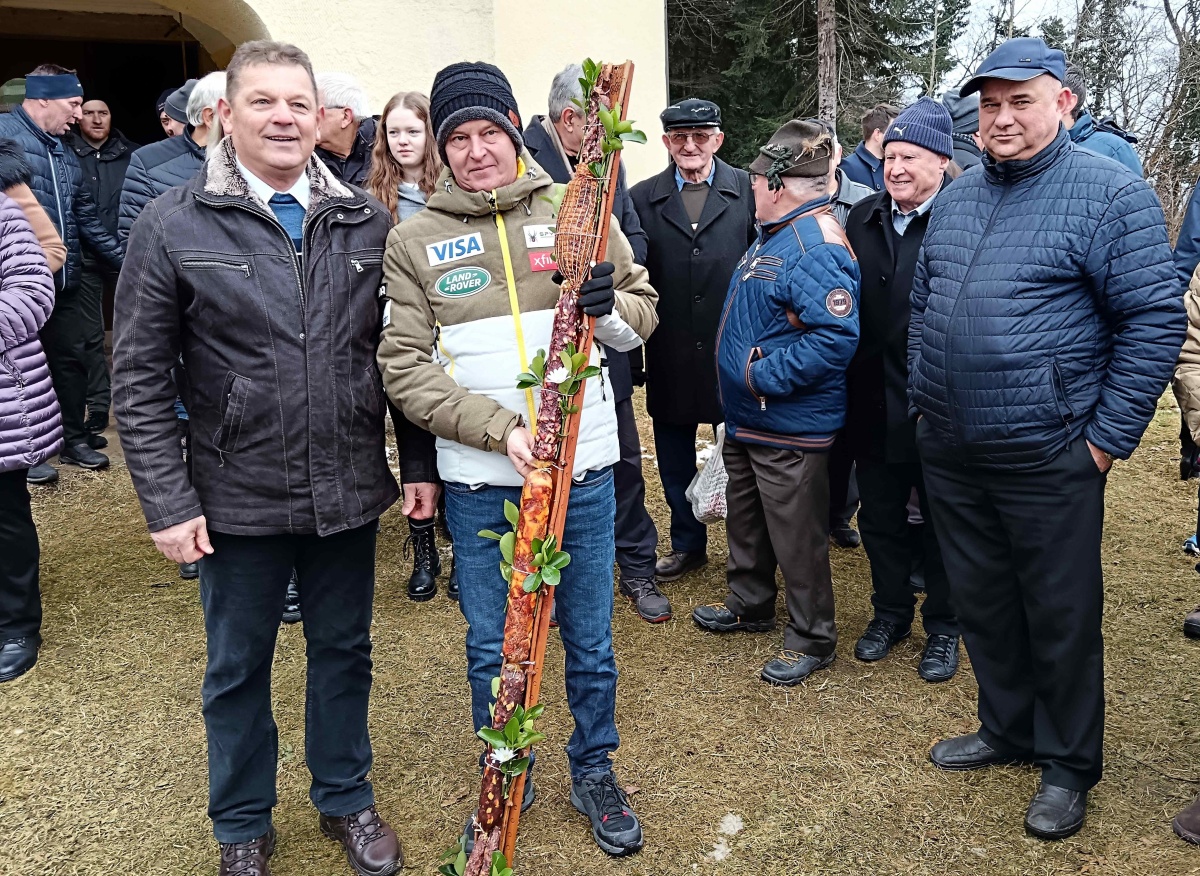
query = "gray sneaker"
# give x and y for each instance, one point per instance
(615, 827)
(649, 601)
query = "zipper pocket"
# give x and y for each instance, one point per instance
(13, 370)
(1060, 394)
(755, 355)
(370, 262)
(214, 265)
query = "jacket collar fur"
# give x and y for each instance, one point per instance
(222, 179)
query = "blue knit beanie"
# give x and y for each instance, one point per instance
(925, 123)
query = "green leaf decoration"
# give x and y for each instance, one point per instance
(508, 542)
(511, 512)
(578, 361)
(631, 136)
(551, 543)
(516, 767)
(590, 372)
(551, 576)
(533, 582)
(496, 686)
(536, 545)
(506, 572)
(487, 533)
(561, 560)
(494, 738)
(512, 728)
(534, 712)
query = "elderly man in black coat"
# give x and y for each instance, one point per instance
(886, 231)
(698, 215)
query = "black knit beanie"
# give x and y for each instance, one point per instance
(467, 92)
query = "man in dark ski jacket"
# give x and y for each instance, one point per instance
(53, 101)
(1046, 320)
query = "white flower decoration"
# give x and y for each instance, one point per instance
(502, 755)
(558, 375)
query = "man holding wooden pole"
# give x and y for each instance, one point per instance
(471, 293)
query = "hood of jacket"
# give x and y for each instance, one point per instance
(13, 168)
(449, 197)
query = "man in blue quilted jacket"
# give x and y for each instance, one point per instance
(786, 336)
(1046, 319)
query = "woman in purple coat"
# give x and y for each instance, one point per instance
(30, 431)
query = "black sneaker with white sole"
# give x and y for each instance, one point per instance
(615, 827)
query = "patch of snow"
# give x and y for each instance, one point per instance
(731, 825)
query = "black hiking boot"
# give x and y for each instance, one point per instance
(427, 565)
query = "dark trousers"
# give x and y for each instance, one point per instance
(778, 504)
(20, 598)
(675, 449)
(1022, 551)
(99, 382)
(637, 537)
(843, 485)
(242, 587)
(64, 338)
(888, 537)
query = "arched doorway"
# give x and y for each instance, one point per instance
(126, 51)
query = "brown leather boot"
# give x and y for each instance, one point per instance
(1187, 823)
(372, 848)
(249, 858)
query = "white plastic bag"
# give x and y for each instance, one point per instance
(706, 492)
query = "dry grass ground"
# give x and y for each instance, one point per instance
(102, 754)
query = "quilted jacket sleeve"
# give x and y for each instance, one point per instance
(145, 347)
(1131, 270)
(916, 323)
(26, 286)
(136, 193)
(92, 230)
(1187, 245)
(826, 346)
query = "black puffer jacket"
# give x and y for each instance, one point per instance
(104, 173)
(152, 170)
(58, 185)
(279, 377)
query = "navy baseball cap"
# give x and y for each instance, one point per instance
(691, 113)
(1018, 60)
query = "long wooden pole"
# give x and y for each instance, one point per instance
(563, 478)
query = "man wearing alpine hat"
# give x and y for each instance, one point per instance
(1046, 320)
(788, 333)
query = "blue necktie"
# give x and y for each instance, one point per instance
(290, 214)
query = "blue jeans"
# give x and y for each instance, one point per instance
(242, 587)
(584, 600)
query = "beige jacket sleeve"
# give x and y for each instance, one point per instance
(43, 228)
(420, 387)
(637, 300)
(1186, 382)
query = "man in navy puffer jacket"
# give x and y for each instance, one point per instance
(1046, 320)
(785, 338)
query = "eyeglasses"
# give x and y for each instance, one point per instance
(754, 177)
(680, 138)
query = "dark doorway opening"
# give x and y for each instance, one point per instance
(128, 76)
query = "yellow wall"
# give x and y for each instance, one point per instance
(395, 45)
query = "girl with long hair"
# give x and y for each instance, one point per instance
(404, 162)
(404, 167)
